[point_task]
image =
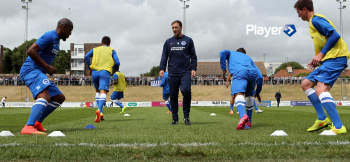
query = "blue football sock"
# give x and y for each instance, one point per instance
(231, 105)
(38, 106)
(328, 104)
(256, 107)
(119, 103)
(101, 102)
(48, 110)
(311, 94)
(168, 105)
(240, 104)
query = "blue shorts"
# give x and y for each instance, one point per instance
(244, 82)
(329, 71)
(117, 95)
(37, 81)
(101, 79)
(166, 96)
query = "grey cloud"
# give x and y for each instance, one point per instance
(138, 28)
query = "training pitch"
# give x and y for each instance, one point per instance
(146, 135)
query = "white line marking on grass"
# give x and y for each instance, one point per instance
(292, 144)
(9, 144)
(194, 144)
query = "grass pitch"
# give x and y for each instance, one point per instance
(148, 136)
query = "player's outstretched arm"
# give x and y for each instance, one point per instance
(34, 55)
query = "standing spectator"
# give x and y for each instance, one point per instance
(3, 101)
(278, 97)
(179, 53)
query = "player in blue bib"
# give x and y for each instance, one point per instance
(245, 75)
(166, 93)
(33, 72)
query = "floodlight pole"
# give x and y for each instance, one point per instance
(341, 16)
(184, 18)
(264, 56)
(26, 34)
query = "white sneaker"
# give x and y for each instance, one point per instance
(259, 111)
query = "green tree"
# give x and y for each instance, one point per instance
(7, 62)
(295, 65)
(19, 54)
(62, 61)
(153, 72)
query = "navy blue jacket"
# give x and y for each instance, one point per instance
(180, 55)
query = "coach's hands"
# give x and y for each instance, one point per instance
(161, 73)
(226, 84)
(50, 69)
(193, 73)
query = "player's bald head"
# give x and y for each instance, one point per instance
(64, 22)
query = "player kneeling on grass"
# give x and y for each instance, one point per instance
(166, 93)
(33, 73)
(104, 60)
(119, 88)
(332, 54)
(245, 74)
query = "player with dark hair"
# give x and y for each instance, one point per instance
(104, 60)
(245, 75)
(331, 55)
(33, 72)
(180, 55)
(119, 88)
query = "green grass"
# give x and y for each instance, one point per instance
(148, 136)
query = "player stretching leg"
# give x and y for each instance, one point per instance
(166, 93)
(245, 75)
(332, 53)
(119, 88)
(104, 59)
(33, 72)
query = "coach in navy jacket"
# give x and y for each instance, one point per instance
(180, 55)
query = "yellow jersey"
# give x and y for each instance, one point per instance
(339, 50)
(120, 86)
(102, 59)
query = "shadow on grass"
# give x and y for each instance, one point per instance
(203, 123)
(263, 125)
(118, 120)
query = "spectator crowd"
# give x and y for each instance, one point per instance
(65, 80)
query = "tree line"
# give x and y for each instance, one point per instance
(13, 59)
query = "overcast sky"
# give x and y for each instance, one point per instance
(139, 28)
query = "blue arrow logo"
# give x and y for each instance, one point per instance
(290, 30)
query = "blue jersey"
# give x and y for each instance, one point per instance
(237, 62)
(49, 45)
(165, 83)
(180, 55)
